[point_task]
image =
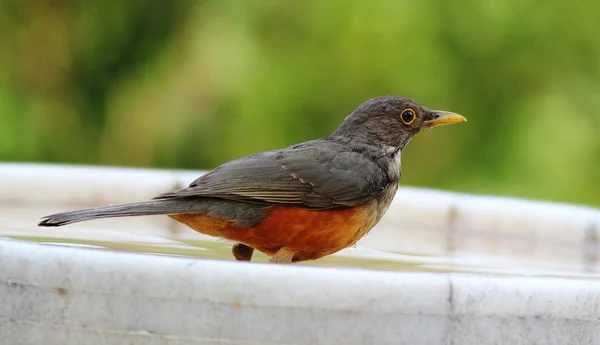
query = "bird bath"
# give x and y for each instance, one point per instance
(440, 268)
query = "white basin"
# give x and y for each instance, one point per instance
(484, 270)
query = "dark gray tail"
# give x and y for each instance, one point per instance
(145, 208)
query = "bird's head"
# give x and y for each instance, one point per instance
(390, 122)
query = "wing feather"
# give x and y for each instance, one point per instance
(312, 175)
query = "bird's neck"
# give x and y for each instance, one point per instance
(386, 156)
(394, 169)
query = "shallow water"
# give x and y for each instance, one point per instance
(160, 235)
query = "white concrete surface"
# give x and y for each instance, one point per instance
(80, 295)
(54, 295)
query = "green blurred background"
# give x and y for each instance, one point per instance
(191, 84)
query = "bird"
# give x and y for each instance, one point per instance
(298, 203)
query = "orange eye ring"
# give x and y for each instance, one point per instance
(408, 116)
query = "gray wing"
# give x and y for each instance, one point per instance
(312, 176)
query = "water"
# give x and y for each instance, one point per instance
(465, 250)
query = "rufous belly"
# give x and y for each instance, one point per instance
(311, 234)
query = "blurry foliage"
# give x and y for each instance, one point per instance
(191, 84)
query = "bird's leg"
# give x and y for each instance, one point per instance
(242, 252)
(283, 256)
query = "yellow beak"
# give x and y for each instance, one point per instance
(444, 118)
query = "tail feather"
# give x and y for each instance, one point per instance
(153, 207)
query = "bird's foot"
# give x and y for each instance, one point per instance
(283, 256)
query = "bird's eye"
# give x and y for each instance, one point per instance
(408, 116)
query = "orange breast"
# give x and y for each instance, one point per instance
(311, 234)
